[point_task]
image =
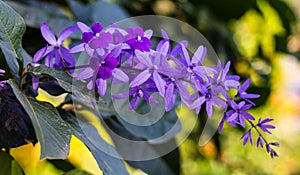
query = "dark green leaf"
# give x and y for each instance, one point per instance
(9, 165)
(226, 10)
(52, 132)
(27, 57)
(16, 169)
(81, 12)
(107, 13)
(35, 16)
(162, 159)
(12, 28)
(98, 147)
(156, 124)
(99, 11)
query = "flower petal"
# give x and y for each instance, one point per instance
(102, 41)
(143, 58)
(164, 49)
(232, 117)
(78, 48)
(198, 102)
(42, 53)
(102, 86)
(140, 78)
(85, 73)
(148, 33)
(245, 85)
(133, 103)
(96, 27)
(209, 108)
(65, 34)
(83, 27)
(120, 75)
(67, 57)
(169, 98)
(199, 55)
(35, 81)
(48, 34)
(186, 58)
(160, 83)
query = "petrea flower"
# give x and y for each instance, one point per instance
(265, 127)
(244, 95)
(139, 92)
(94, 36)
(247, 136)
(270, 150)
(209, 95)
(237, 114)
(221, 77)
(260, 142)
(56, 54)
(102, 70)
(175, 85)
(138, 39)
(194, 66)
(153, 68)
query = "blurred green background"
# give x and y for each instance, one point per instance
(260, 37)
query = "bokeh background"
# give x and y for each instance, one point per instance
(260, 37)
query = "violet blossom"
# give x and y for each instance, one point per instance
(238, 114)
(56, 55)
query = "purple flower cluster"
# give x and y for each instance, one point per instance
(127, 55)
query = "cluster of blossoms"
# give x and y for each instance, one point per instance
(128, 55)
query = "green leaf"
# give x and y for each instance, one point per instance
(12, 28)
(162, 163)
(9, 165)
(98, 146)
(16, 169)
(151, 123)
(106, 13)
(44, 12)
(52, 131)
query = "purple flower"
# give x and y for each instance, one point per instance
(221, 124)
(175, 85)
(152, 68)
(244, 95)
(139, 92)
(265, 127)
(92, 37)
(56, 54)
(260, 142)
(209, 95)
(102, 70)
(247, 136)
(138, 39)
(270, 150)
(194, 67)
(237, 114)
(226, 81)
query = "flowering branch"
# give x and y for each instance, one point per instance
(126, 56)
